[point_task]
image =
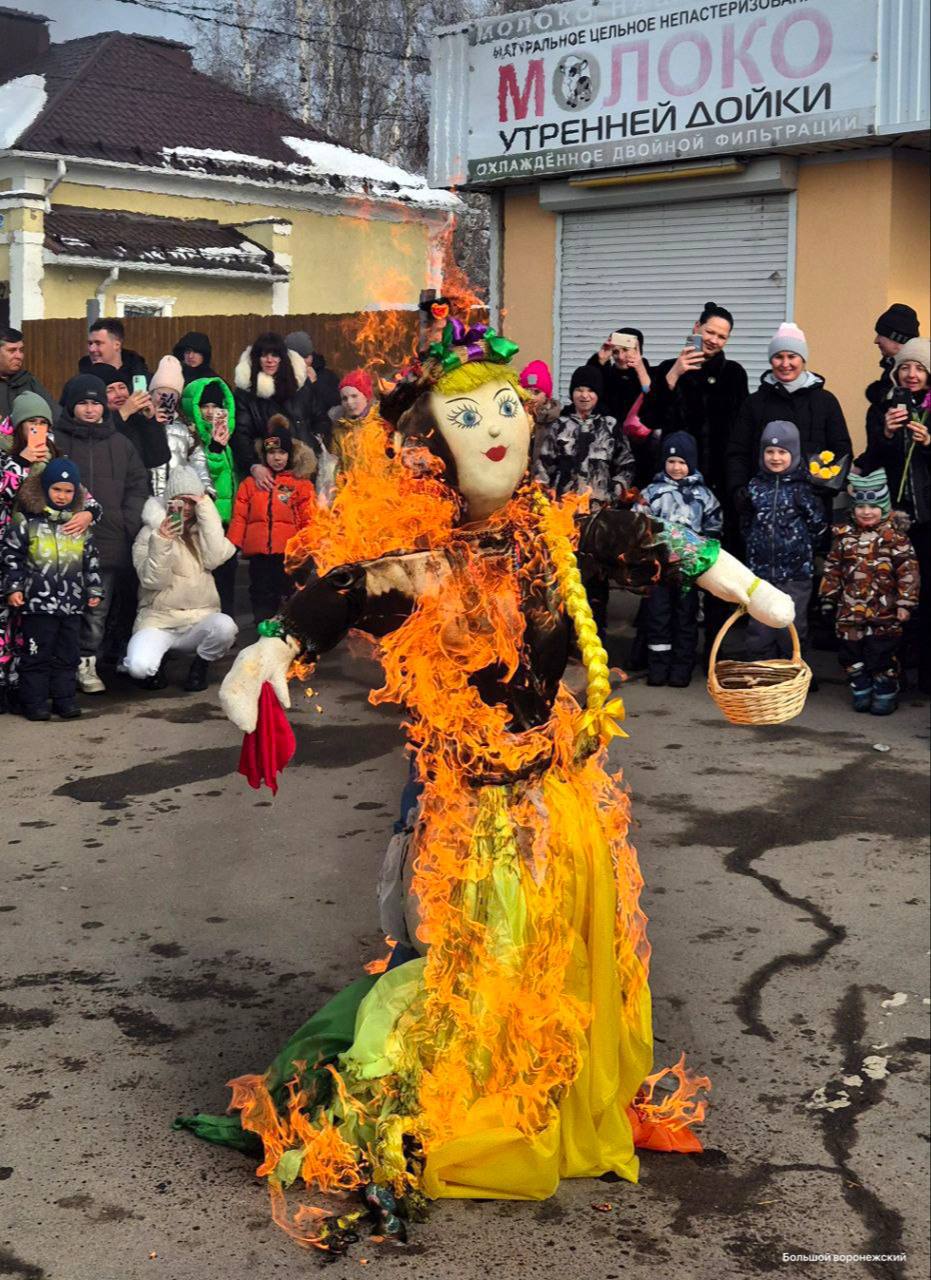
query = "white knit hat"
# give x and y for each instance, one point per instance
(917, 349)
(184, 482)
(789, 337)
(168, 376)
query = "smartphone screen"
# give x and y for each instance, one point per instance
(37, 433)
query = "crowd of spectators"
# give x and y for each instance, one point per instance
(127, 501)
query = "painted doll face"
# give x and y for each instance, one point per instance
(487, 432)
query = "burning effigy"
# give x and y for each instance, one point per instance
(506, 1043)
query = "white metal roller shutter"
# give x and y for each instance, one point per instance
(655, 266)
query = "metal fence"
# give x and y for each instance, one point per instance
(383, 339)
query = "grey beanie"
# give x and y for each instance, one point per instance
(781, 435)
(29, 405)
(300, 343)
(789, 337)
(184, 482)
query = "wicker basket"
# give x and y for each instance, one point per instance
(768, 692)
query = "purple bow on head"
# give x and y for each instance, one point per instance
(468, 338)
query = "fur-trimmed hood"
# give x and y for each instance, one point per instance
(303, 461)
(31, 499)
(265, 385)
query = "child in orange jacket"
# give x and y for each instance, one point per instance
(269, 511)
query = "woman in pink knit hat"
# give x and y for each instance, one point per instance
(788, 392)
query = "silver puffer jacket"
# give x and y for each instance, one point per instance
(186, 451)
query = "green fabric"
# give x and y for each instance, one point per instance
(220, 465)
(372, 1054)
(320, 1040)
(695, 553)
(226, 1131)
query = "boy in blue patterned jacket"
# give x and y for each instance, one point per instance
(677, 495)
(51, 576)
(783, 523)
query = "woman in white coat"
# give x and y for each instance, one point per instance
(179, 545)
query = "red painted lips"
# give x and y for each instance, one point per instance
(497, 453)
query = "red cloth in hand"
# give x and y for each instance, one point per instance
(267, 750)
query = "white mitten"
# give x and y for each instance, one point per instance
(730, 579)
(266, 660)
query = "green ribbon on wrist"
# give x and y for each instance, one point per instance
(271, 628)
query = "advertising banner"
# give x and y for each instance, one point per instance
(585, 86)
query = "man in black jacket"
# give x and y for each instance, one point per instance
(324, 381)
(14, 380)
(896, 326)
(105, 340)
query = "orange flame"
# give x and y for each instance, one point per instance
(667, 1125)
(505, 818)
(381, 964)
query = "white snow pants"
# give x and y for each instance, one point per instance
(210, 639)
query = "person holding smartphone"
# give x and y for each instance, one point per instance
(115, 474)
(899, 442)
(208, 405)
(180, 544)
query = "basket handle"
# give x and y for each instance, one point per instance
(741, 609)
(712, 660)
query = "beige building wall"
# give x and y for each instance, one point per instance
(842, 269)
(340, 263)
(67, 289)
(910, 250)
(529, 273)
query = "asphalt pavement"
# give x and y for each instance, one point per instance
(165, 928)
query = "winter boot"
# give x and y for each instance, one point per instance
(37, 713)
(66, 710)
(861, 690)
(157, 681)
(680, 675)
(88, 679)
(657, 672)
(3, 700)
(196, 681)
(885, 696)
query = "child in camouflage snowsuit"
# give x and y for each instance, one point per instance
(871, 584)
(51, 577)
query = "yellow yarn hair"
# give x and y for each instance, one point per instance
(476, 373)
(598, 723)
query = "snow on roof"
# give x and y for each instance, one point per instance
(328, 158)
(21, 101)
(323, 160)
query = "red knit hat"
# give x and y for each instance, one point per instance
(359, 379)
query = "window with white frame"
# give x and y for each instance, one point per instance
(129, 305)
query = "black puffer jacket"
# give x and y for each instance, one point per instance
(621, 388)
(14, 386)
(815, 411)
(326, 388)
(890, 454)
(705, 404)
(114, 473)
(308, 422)
(133, 363)
(199, 342)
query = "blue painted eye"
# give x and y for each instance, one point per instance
(466, 418)
(507, 408)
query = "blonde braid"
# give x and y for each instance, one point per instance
(594, 657)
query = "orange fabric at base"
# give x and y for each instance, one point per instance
(264, 522)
